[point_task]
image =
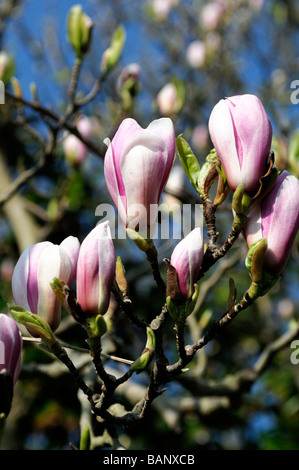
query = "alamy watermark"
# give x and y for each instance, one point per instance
(2, 92)
(295, 354)
(2, 353)
(295, 93)
(163, 221)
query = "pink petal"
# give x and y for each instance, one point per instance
(186, 259)
(53, 262)
(142, 166)
(164, 129)
(115, 187)
(223, 137)
(284, 223)
(71, 246)
(253, 228)
(107, 264)
(19, 280)
(24, 279)
(96, 270)
(11, 338)
(255, 133)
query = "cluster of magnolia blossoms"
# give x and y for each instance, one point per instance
(241, 133)
(137, 165)
(92, 264)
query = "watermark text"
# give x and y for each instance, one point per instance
(2, 353)
(295, 93)
(163, 221)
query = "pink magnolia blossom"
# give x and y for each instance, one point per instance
(211, 14)
(186, 259)
(168, 100)
(10, 347)
(35, 270)
(196, 54)
(162, 8)
(137, 165)
(277, 220)
(96, 270)
(241, 133)
(74, 149)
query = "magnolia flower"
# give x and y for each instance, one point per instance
(162, 8)
(196, 54)
(34, 272)
(74, 149)
(277, 220)
(241, 133)
(186, 259)
(130, 72)
(10, 347)
(211, 15)
(137, 165)
(168, 100)
(96, 270)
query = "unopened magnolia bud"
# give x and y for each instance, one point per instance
(186, 259)
(145, 157)
(33, 90)
(147, 354)
(79, 27)
(96, 270)
(120, 276)
(241, 132)
(113, 53)
(16, 86)
(170, 98)
(128, 84)
(33, 323)
(85, 439)
(34, 272)
(196, 54)
(208, 173)
(7, 66)
(276, 218)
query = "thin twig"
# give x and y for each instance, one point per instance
(60, 121)
(73, 86)
(22, 179)
(84, 350)
(45, 152)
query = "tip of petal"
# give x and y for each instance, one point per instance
(107, 141)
